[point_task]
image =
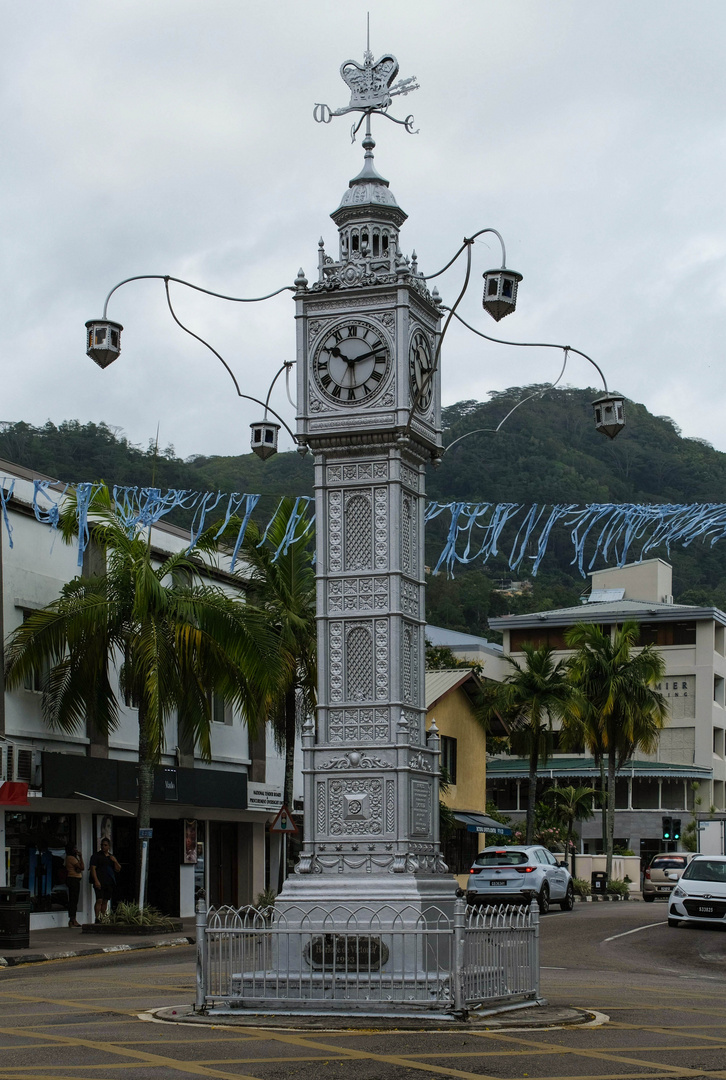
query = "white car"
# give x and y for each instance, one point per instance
(700, 894)
(512, 875)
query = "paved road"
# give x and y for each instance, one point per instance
(663, 990)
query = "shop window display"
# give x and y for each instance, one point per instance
(35, 856)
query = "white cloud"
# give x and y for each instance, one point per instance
(177, 137)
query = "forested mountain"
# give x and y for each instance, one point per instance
(548, 451)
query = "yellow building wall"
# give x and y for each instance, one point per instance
(454, 717)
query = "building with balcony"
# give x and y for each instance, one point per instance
(687, 772)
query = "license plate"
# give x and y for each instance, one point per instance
(703, 910)
(497, 883)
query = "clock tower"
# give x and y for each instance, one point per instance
(369, 409)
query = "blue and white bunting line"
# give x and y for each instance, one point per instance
(475, 532)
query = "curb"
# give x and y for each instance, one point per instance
(37, 958)
(607, 898)
(289, 1020)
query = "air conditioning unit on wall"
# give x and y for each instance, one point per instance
(21, 763)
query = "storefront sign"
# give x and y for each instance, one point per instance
(266, 797)
(171, 793)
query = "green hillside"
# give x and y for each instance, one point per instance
(547, 452)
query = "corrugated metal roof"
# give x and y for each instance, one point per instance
(511, 768)
(616, 611)
(441, 683)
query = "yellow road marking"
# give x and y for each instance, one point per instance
(140, 1057)
(604, 1055)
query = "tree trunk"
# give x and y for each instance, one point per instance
(610, 815)
(531, 797)
(603, 805)
(290, 728)
(288, 790)
(570, 852)
(146, 787)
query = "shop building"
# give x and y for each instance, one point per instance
(210, 820)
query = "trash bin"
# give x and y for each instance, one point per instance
(14, 918)
(598, 881)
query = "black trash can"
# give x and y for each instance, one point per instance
(598, 881)
(14, 918)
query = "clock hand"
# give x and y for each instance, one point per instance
(352, 360)
(365, 356)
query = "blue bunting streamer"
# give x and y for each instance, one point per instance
(610, 532)
(4, 496)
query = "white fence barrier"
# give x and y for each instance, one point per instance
(368, 959)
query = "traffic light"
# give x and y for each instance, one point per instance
(676, 828)
(668, 828)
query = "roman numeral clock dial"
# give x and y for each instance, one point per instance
(351, 362)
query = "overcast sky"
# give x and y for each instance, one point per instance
(176, 137)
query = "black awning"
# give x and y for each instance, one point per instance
(482, 823)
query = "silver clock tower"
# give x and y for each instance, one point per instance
(369, 409)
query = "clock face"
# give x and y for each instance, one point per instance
(351, 362)
(420, 368)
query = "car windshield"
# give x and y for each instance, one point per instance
(671, 863)
(706, 870)
(501, 858)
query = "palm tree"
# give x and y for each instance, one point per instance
(173, 636)
(572, 804)
(282, 589)
(616, 703)
(531, 696)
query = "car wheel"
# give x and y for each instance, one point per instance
(673, 922)
(543, 899)
(569, 902)
(648, 898)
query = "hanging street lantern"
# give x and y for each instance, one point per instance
(103, 341)
(500, 292)
(609, 414)
(264, 438)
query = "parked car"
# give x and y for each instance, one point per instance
(664, 870)
(700, 895)
(512, 875)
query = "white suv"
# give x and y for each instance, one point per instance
(512, 875)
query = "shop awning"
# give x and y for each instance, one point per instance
(482, 823)
(14, 793)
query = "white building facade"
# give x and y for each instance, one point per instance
(210, 820)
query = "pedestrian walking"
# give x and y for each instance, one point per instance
(103, 870)
(74, 875)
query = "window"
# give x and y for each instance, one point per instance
(448, 757)
(667, 633)
(221, 712)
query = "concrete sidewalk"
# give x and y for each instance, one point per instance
(65, 941)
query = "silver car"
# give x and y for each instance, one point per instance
(700, 894)
(513, 875)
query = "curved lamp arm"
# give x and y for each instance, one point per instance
(540, 393)
(533, 345)
(248, 397)
(180, 281)
(467, 243)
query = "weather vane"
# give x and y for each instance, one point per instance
(372, 89)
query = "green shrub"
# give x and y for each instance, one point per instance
(618, 887)
(581, 887)
(130, 914)
(265, 899)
